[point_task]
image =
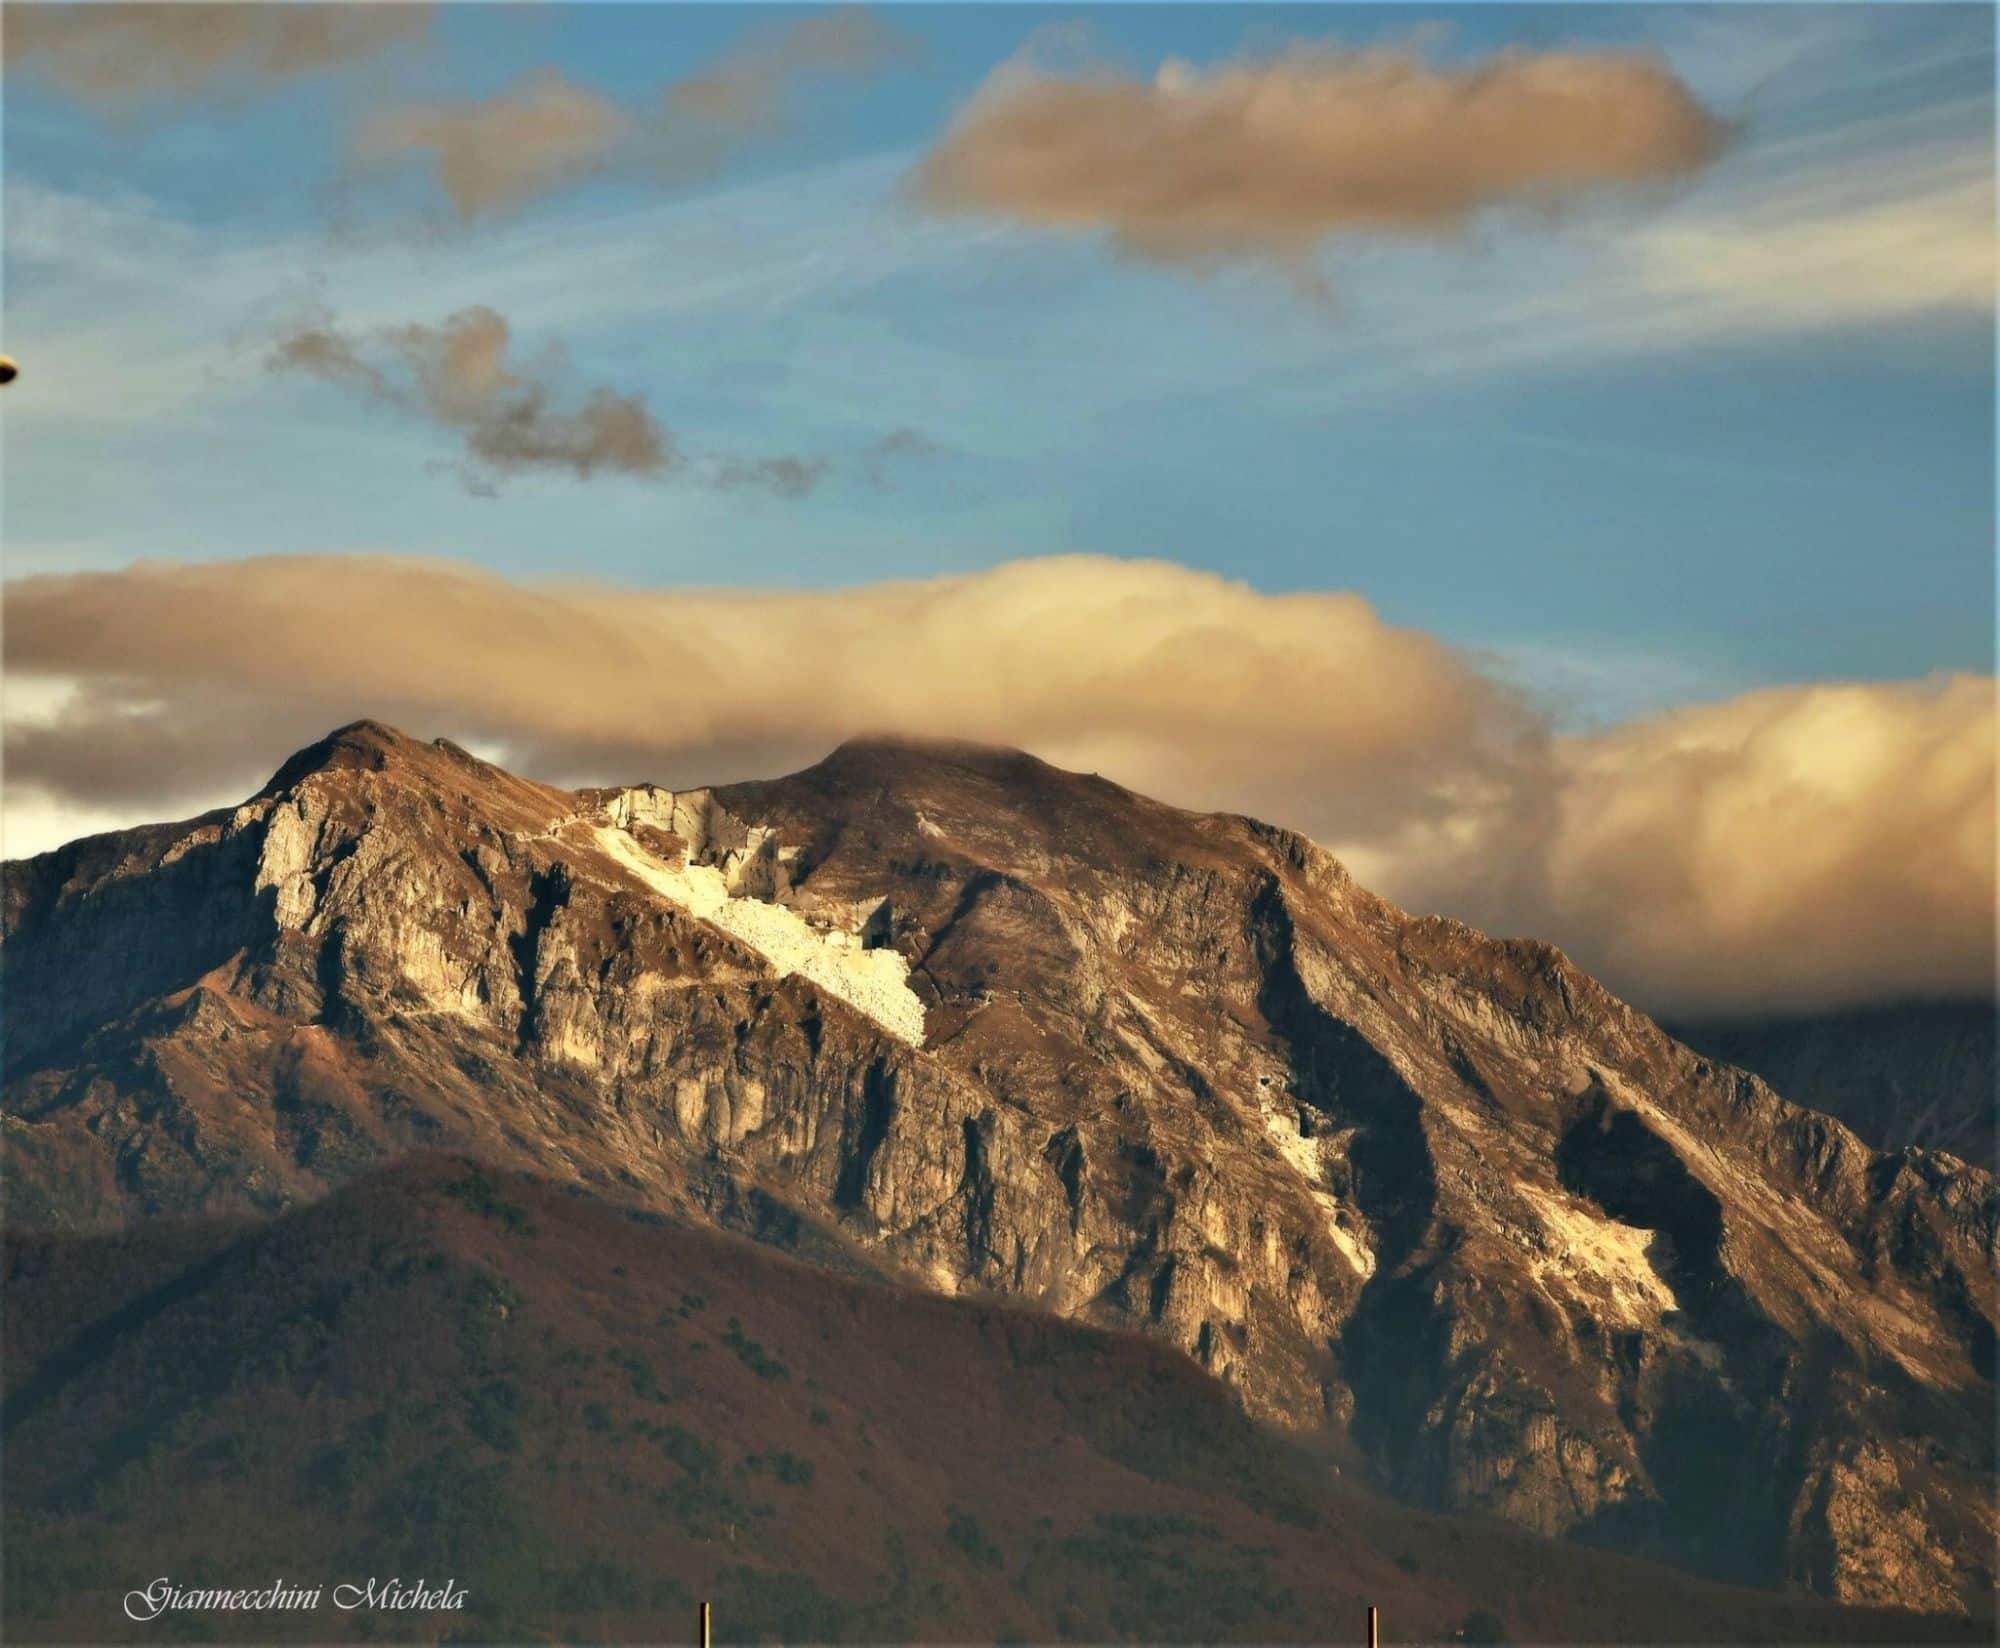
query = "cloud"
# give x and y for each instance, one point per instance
(785, 477)
(122, 55)
(494, 153)
(1266, 158)
(1880, 223)
(894, 448)
(752, 88)
(1788, 848)
(547, 133)
(1830, 263)
(1147, 665)
(457, 375)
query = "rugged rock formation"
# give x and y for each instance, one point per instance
(983, 1026)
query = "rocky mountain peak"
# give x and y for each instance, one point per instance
(954, 1017)
(373, 747)
(912, 772)
(912, 753)
(366, 744)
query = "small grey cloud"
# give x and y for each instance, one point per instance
(786, 477)
(457, 374)
(516, 416)
(895, 447)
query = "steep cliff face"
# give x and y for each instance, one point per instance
(981, 1026)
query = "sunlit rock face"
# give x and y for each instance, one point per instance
(974, 1025)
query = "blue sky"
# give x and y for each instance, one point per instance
(1658, 450)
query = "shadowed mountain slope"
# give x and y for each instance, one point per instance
(590, 1421)
(1907, 1073)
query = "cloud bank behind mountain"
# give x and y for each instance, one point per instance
(1795, 847)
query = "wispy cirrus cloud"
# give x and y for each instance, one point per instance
(1792, 847)
(1810, 264)
(146, 311)
(1867, 227)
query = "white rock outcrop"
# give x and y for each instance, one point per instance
(872, 981)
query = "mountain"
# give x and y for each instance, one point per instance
(590, 1421)
(946, 1017)
(1898, 1073)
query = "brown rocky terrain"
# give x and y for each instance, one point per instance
(1438, 1203)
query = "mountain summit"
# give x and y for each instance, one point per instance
(954, 1018)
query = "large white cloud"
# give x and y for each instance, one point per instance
(1788, 848)
(1793, 847)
